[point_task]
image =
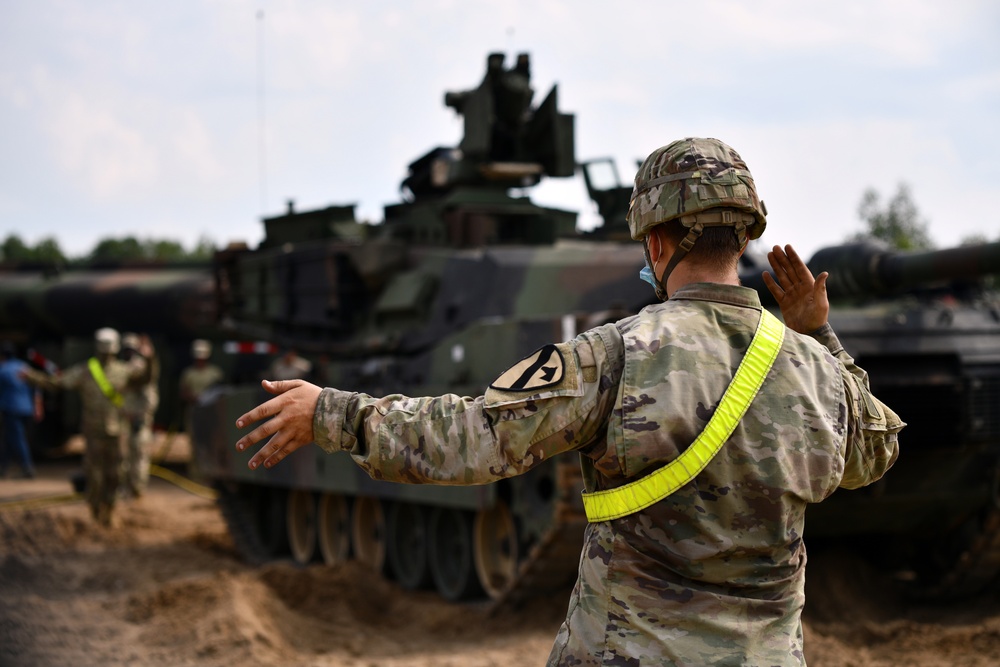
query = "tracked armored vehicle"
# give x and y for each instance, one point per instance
(462, 278)
(467, 275)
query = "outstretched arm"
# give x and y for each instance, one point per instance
(802, 298)
(290, 426)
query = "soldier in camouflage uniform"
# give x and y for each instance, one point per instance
(198, 377)
(101, 382)
(140, 402)
(713, 574)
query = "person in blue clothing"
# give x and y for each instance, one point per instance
(18, 403)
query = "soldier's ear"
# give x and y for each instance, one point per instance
(655, 245)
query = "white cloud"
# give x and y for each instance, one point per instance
(102, 153)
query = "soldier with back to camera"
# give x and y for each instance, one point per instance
(102, 380)
(705, 428)
(139, 407)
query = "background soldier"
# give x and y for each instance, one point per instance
(289, 366)
(194, 381)
(101, 381)
(196, 378)
(140, 402)
(705, 428)
(18, 402)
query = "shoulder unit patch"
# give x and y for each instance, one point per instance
(541, 369)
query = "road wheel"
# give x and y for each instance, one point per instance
(334, 528)
(407, 545)
(301, 520)
(495, 546)
(450, 550)
(368, 533)
(271, 524)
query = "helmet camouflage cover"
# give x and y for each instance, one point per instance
(107, 341)
(681, 179)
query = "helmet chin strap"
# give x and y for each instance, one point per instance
(682, 249)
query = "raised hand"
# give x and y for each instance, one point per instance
(802, 298)
(291, 424)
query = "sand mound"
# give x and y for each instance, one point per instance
(164, 587)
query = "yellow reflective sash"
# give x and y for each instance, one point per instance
(640, 494)
(102, 381)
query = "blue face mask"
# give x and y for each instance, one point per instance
(646, 274)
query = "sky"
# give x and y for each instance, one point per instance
(193, 120)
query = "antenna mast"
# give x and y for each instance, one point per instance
(261, 124)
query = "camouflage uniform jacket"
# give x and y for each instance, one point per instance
(99, 415)
(142, 398)
(714, 574)
(194, 380)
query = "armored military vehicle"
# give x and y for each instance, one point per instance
(926, 328)
(467, 274)
(462, 278)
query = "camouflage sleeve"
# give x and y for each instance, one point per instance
(139, 370)
(68, 379)
(37, 378)
(872, 427)
(460, 440)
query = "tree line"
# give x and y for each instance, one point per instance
(47, 250)
(896, 222)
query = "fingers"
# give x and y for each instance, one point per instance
(788, 267)
(271, 453)
(780, 267)
(290, 425)
(260, 433)
(277, 387)
(274, 450)
(819, 289)
(262, 411)
(798, 266)
(773, 287)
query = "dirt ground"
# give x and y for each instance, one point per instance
(165, 587)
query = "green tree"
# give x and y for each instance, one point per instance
(127, 247)
(203, 249)
(14, 249)
(48, 250)
(164, 250)
(898, 223)
(975, 239)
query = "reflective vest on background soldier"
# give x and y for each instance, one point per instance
(100, 415)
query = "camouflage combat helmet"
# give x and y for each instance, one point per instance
(698, 183)
(107, 341)
(130, 341)
(201, 349)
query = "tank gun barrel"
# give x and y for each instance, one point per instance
(871, 269)
(868, 268)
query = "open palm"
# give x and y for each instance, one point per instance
(802, 298)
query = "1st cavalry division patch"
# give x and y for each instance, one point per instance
(540, 369)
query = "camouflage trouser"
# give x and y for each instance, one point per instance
(136, 464)
(102, 462)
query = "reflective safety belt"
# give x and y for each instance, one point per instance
(102, 381)
(640, 494)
